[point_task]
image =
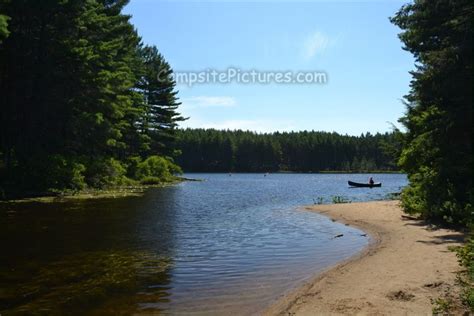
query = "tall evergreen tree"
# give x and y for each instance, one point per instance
(437, 154)
(33, 85)
(161, 102)
(68, 71)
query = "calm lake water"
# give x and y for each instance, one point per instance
(228, 244)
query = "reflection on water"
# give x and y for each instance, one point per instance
(225, 244)
(97, 256)
(82, 282)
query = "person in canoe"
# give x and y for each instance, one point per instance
(371, 181)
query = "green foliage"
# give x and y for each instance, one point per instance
(157, 86)
(437, 148)
(77, 178)
(3, 27)
(156, 169)
(441, 306)
(153, 167)
(393, 146)
(152, 180)
(63, 173)
(173, 168)
(465, 256)
(76, 82)
(107, 172)
(340, 200)
(132, 166)
(205, 150)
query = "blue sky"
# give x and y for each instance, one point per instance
(352, 42)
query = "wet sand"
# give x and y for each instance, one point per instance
(405, 268)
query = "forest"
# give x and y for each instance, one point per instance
(82, 106)
(81, 102)
(208, 150)
(437, 148)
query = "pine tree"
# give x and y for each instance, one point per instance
(437, 154)
(66, 79)
(209, 150)
(161, 102)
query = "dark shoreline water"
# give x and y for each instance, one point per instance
(229, 243)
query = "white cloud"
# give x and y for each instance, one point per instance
(208, 101)
(315, 44)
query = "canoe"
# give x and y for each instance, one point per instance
(364, 185)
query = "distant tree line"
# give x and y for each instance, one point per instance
(81, 103)
(209, 150)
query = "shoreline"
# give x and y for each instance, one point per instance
(91, 194)
(406, 268)
(301, 172)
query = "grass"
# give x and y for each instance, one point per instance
(441, 306)
(465, 256)
(337, 199)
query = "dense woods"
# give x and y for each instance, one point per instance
(437, 151)
(208, 150)
(81, 105)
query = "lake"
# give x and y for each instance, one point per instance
(231, 243)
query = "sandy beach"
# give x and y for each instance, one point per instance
(405, 268)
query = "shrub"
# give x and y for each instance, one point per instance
(107, 172)
(62, 173)
(41, 174)
(151, 180)
(437, 200)
(465, 256)
(77, 176)
(57, 172)
(157, 168)
(153, 166)
(132, 166)
(174, 168)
